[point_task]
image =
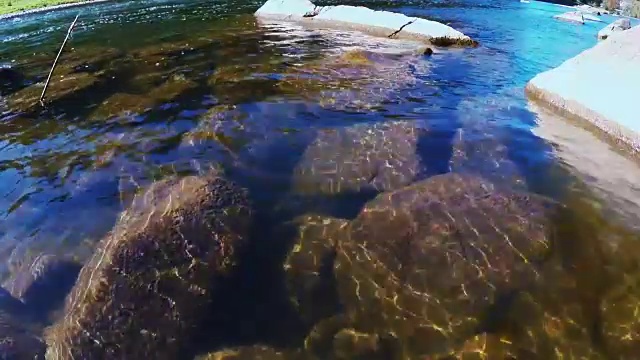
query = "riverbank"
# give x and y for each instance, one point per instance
(16, 8)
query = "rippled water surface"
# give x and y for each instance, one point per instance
(148, 89)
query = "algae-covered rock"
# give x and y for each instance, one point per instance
(219, 125)
(148, 284)
(77, 69)
(378, 157)
(554, 321)
(480, 347)
(123, 103)
(255, 352)
(428, 260)
(621, 306)
(359, 80)
(423, 264)
(61, 85)
(308, 267)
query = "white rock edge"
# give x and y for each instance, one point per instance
(571, 16)
(378, 23)
(600, 86)
(616, 26)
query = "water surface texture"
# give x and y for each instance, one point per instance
(311, 124)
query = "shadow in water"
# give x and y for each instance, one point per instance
(253, 306)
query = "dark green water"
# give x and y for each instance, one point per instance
(140, 81)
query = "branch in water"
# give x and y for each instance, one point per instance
(402, 27)
(55, 62)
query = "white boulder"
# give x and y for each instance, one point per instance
(591, 17)
(378, 23)
(618, 25)
(571, 16)
(576, 87)
(591, 10)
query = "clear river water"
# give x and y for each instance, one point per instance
(148, 89)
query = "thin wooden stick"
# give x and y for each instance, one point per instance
(55, 62)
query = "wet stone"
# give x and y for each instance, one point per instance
(351, 344)
(426, 262)
(621, 317)
(365, 157)
(255, 352)
(43, 283)
(357, 80)
(77, 69)
(61, 85)
(308, 267)
(480, 347)
(219, 126)
(148, 284)
(124, 103)
(544, 330)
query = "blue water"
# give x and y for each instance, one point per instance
(43, 160)
(66, 173)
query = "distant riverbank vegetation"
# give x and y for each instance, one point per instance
(11, 6)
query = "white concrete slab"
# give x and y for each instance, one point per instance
(600, 86)
(378, 23)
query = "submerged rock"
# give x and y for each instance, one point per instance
(10, 80)
(616, 26)
(61, 85)
(124, 103)
(256, 352)
(43, 283)
(482, 347)
(553, 321)
(148, 284)
(620, 305)
(360, 80)
(378, 157)
(378, 23)
(422, 265)
(77, 70)
(309, 267)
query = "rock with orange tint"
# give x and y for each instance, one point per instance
(255, 352)
(426, 262)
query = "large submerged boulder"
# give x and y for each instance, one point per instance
(255, 352)
(150, 280)
(379, 23)
(419, 268)
(378, 157)
(616, 26)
